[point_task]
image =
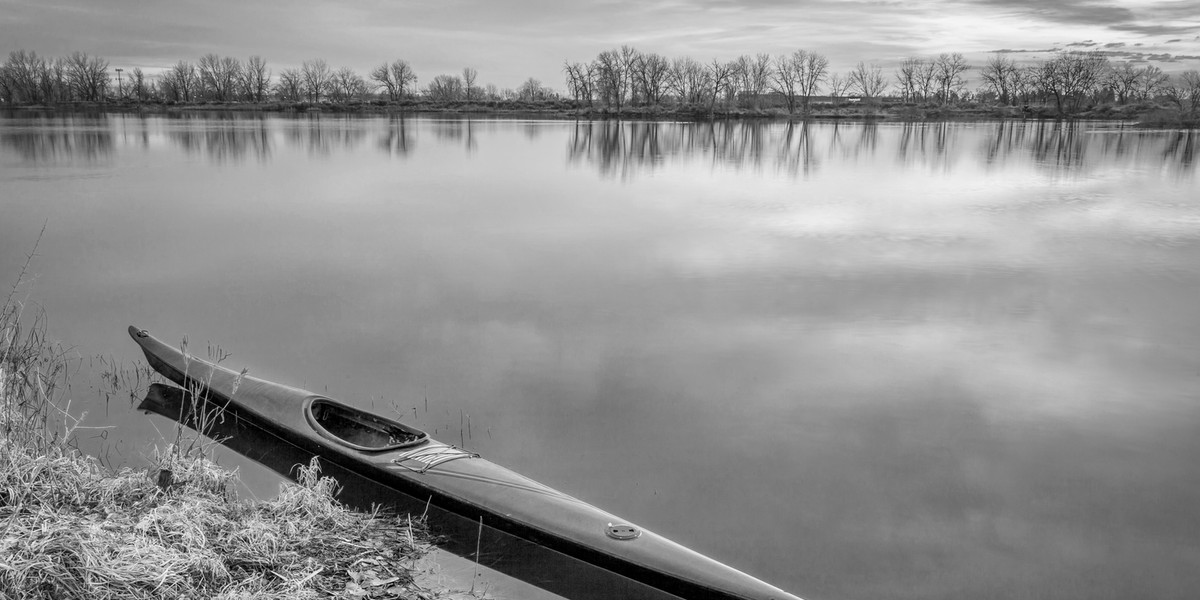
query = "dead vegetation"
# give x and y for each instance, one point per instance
(72, 528)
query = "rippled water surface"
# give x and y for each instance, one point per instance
(855, 360)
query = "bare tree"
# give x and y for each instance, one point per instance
(219, 76)
(445, 88)
(753, 74)
(26, 78)
(720, 77)
(783, 80)
(1122, 80)
(532, 91)
(926, 74)
(21, 78)
(1025, 83)
(999, 74)
(394, 78)
(1151, 82)
(137, 85)
(948, 71)
(1191, 80)
(55, 87)
(290, 87)
(256, 79)
(867, 80)
(688, 80)
(206, 67)
(650, 75)
(838, 86)
(231, 74)
(580, 81)
(87, 76)
(404, 76)
(1185, 92)
(382, 76)
(612, 81)
(908, 76)
(629, 57)
(179, 83)
(357, 87)
(812, 68)
(469, 76)
(733, 90)
(315, 78)
(346, 85)
(1072, 76)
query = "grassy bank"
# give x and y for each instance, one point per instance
(73, 529)
(1145, 113)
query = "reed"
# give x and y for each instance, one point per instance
(71, 528)
(34, 374)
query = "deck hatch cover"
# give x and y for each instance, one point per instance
(622, 531)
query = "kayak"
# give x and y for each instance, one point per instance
(409, 463)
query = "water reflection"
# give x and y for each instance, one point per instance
(53, 138)
(222, 140)
(1059, 144)
(618, 149)
(965, 349)
(799, 149)
(320, 135)
(1181, 148)
(922, 143)
(797, 155)
(397, 137)
(463, 536)
(457, 131)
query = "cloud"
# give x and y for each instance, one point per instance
(1162, 18)
(510, 41)
(1155, 29)
(1071, 12)
(1023, 50)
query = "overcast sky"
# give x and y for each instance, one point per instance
(508, 41)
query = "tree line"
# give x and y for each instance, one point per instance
(617, 79)
(29, 79)
(1069, 81)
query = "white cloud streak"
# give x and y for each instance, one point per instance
(508, 41)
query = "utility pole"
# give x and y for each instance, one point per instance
(120, 93)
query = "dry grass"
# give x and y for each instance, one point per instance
(73, 529)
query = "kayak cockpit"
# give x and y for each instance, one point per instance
(359, 429)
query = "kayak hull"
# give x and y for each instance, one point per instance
(456, 481)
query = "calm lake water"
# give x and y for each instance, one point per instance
(855, 360)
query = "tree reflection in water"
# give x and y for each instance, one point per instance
(799, 149)
(50, 138)
(621, 149)
(397, 138)
(224, 139)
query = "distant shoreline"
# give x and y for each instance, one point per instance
(1145, 114)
